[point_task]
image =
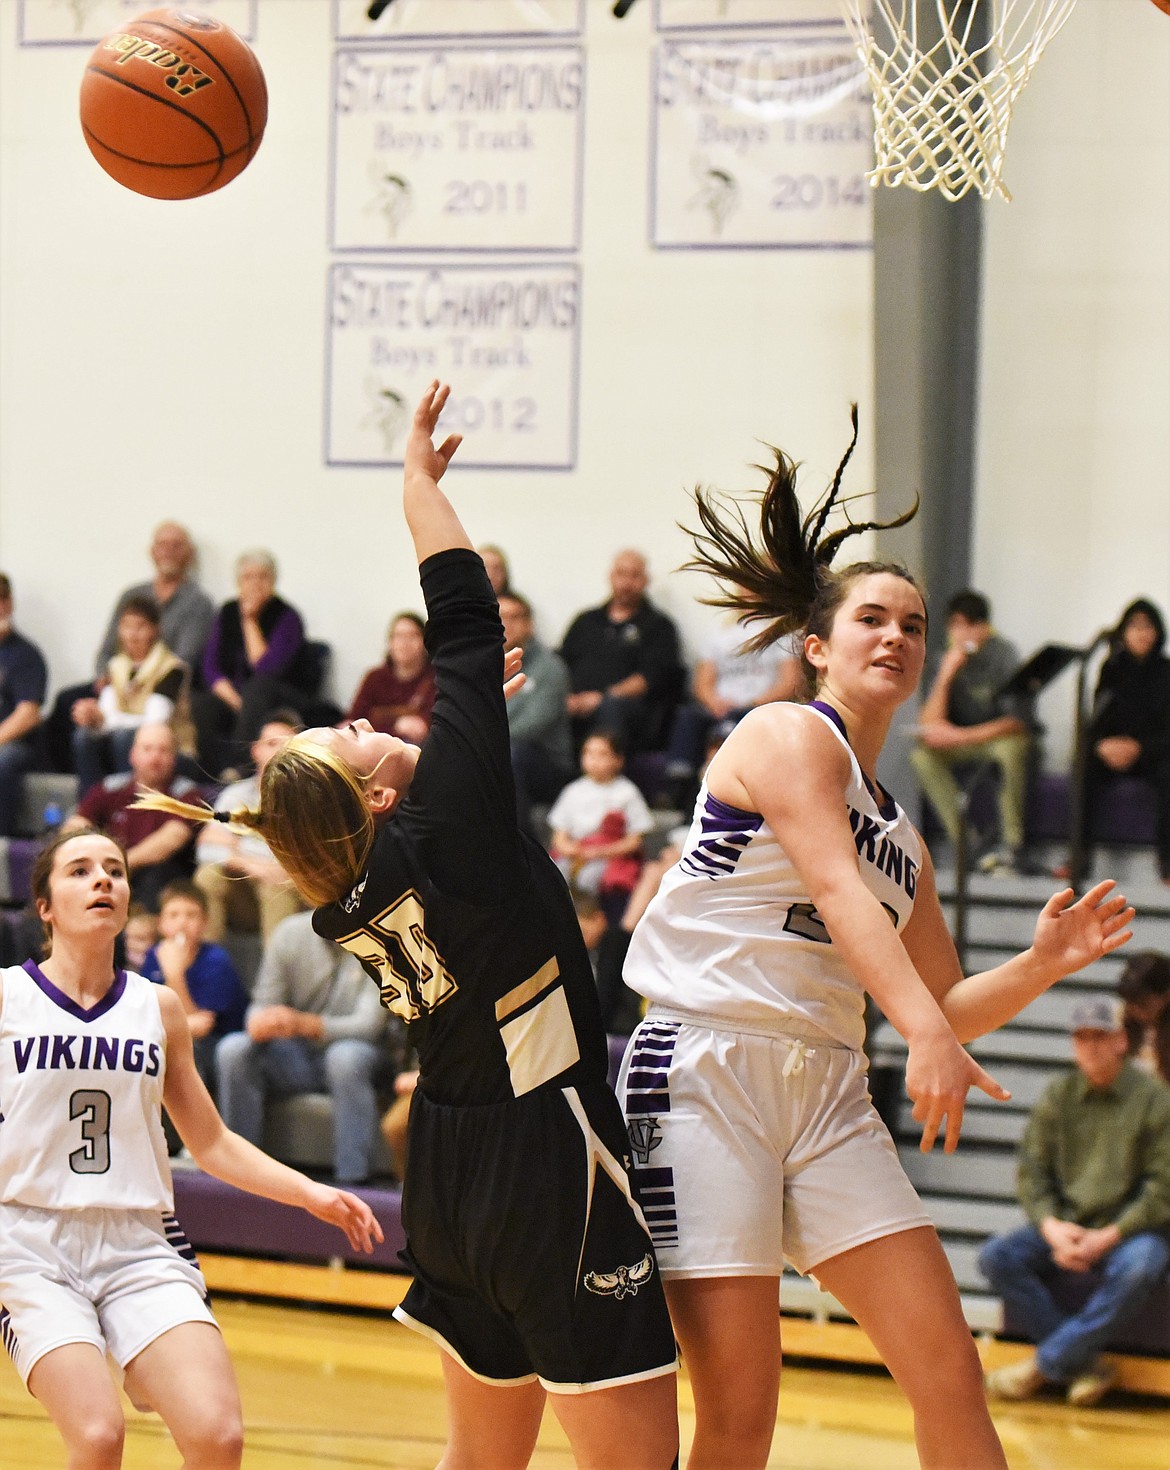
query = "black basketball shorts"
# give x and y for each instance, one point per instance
(530, 1256)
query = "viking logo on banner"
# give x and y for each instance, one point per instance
(85, 22)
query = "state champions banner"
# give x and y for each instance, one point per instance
(457, 148)
(761, 143)
(507, 335)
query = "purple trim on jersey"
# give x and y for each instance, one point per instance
(886, 805)
(59, 998)
(726, 831)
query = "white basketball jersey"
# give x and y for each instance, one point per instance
(80, 1096)
(732, 934)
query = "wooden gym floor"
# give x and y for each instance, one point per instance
(349, 1391)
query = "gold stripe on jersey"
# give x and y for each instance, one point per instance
(528, 989)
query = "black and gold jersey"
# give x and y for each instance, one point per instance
(465, 923)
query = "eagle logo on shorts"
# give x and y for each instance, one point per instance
(623, 1282)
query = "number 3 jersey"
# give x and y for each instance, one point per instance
(733, 936)
(80, 1096)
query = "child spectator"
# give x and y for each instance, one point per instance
(1144, 987)
(621, 1009)
(145, 684)
(598, 821)
(397, 697)
(201, 975)
(138, 937)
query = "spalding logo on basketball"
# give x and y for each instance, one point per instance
(173, 104)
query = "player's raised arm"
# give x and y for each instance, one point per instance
(430, 516)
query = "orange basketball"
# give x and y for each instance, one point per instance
(173, 104)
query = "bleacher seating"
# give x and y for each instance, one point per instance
(971, 1194)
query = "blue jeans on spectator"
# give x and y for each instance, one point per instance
(1067, 1345)
(249, 1071)
(16, 757)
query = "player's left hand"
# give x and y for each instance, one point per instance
(1071, 935)
(350, 1214)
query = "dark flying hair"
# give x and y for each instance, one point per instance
(780, 575)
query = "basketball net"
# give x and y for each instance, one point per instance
(942, 104)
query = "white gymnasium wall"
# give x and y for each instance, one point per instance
(1073, 497)
(167, 359)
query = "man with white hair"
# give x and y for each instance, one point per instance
(1094, 1181)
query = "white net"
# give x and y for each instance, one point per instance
(943, 102)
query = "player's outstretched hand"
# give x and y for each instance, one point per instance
(350, 1214)
(1071, 935)
(514, 679)
(422, 458)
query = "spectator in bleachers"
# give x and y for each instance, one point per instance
(538, 722)
(1144, 987)
(159, 848)
(728, 681)
(398, 696)
(598, 822)
(1094, 1181)
(200, 973)
(623, 661)
(495, 564)
(185, 616)
(250, 664)
(138, 937)
(966, 721)
(245, 887)
(23, 676)
(145, 684)
(315, 1024)
(1129, 728)
(607, 943)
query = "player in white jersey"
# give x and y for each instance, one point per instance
(91, 1257)
(802, 885)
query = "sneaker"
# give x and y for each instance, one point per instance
(1090, 1388)
(1016, 1381)
(1001, 861)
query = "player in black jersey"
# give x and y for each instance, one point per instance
(533, 1266)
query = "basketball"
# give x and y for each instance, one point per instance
(173, 104)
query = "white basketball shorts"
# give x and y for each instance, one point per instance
(752, 1150)
(117, 1279)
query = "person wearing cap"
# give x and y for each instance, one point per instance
(1094, 1181)
(23, 677)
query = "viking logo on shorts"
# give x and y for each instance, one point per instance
(623, 1282)
(645, 1136)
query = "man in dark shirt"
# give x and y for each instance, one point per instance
(22, 689)
(159, 848)
(965, 720)
(623, 661)
(1094, 1181)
